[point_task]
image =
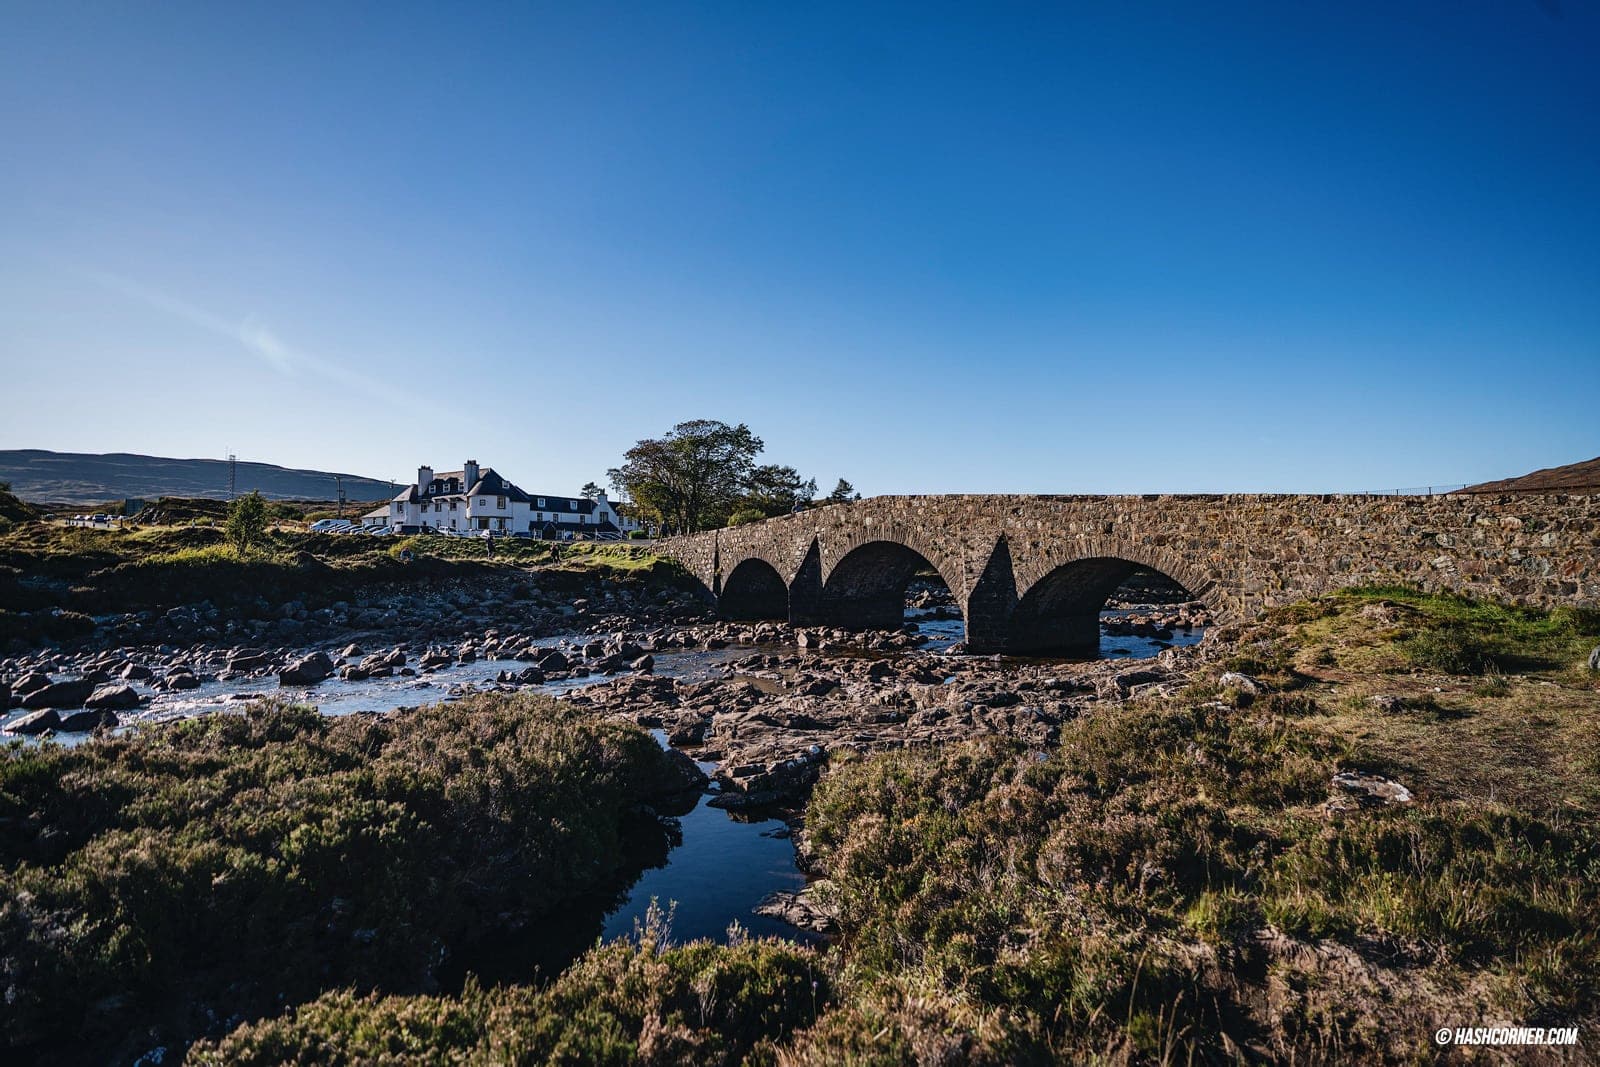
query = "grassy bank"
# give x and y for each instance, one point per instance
(52, 578)
(157, 884)
(1169, 884)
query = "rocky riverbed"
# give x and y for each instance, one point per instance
(761, 707)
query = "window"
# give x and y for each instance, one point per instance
(453, 504)
(541, 504)
(483, 524)
(540, 516)
(582, 519)
(500, 502)
(483, 502)
(574, 505)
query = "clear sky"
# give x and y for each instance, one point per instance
(969, 248)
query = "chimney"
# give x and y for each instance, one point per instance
(424, 476)
(469, 474)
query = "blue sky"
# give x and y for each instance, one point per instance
(968, 248)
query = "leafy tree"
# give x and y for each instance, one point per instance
(843, 493)
(775, 490)
(590, 491)
(693, 477)
(247, 521)
(746, 514)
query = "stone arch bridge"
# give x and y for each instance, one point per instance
(1031, 573)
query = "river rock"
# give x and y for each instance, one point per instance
(181, 680)
(114, 696)
(59, 695)
(248, 659)
(30, 682)
(34, 723)
(644, 664)
(683, 773)
(307, 670)
(800, 909)
(135, 672)
(87, 719)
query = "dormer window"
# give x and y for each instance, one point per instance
(541, 502)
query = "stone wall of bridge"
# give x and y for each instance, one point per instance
(1031, 572)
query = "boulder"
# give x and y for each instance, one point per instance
(1242, 682)
(182, 680)
(1594, 659)
(34, 723)
(1355, 789)
(30, 682)
(307, 670)
(797, 909)
(434, 660)
(87, 719)
(133, 672)
(59, 695)
(554, 661)
(683, 773)
(644, 664)
(248, 659)
(114, 696)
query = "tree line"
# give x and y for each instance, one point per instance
(703, 474)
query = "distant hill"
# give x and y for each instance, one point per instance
(1573, 478)
(81, 478)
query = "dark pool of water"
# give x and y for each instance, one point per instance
(720, 872)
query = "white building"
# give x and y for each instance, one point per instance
(477, 500)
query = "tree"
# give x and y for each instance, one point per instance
(247, 521)
(691, 478)
(843, 493)
(590, 491)
(775, 490)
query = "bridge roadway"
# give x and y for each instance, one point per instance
(1031, 573)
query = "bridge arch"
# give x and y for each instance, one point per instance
(754, 589)
(1060, 597)
(866, 586)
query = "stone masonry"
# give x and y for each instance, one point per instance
(1030, 573)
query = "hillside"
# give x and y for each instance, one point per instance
(81, 478)
(1573, 478)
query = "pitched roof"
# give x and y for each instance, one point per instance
(491, 483)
